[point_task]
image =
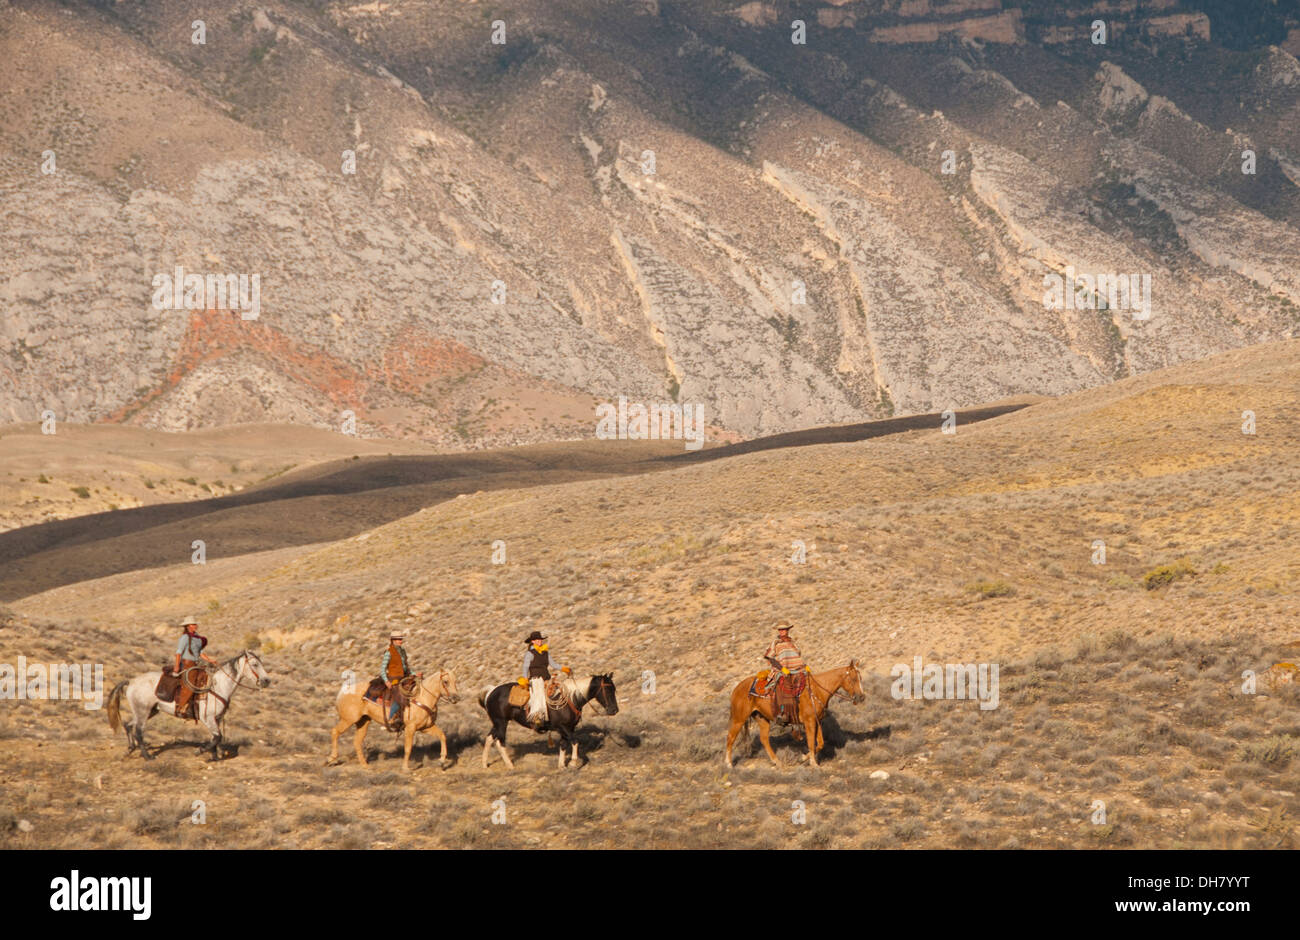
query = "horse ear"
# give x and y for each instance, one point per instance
(853, 663)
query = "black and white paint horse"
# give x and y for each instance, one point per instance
(242, 671)
(563, 721)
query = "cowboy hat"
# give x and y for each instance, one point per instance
(785, 625)
(535, 635)
(186, 621)
(397, 636)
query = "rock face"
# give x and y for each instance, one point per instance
(475, 243)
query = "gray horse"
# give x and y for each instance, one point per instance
(210, 707)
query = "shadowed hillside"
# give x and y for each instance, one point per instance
(328, 500)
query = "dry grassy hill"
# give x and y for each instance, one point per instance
(1120, 682)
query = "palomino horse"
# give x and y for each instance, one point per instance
(420, 714)
(210, 706)
(496, 702)
(822, 686)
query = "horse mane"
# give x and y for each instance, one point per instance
(240, 655)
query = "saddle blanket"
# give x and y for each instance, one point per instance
(792, 685)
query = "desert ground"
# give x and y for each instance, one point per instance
(1121, 683)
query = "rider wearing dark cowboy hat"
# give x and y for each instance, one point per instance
(537, 670)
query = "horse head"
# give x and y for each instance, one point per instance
(448, 683)
(251, 662)
(852, 683)
(601, 689)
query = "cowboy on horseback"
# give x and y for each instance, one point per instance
(537, 672)
(786, 659)
(189, 650)
(783, 654)
(393, 670)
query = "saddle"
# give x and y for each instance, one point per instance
(401, 692)
(783, 691)
(556, 697)
(168, 685)
(518, 695)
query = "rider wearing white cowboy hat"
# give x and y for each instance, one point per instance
(189, 650)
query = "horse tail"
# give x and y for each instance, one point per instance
(114, 710)
(483, 696)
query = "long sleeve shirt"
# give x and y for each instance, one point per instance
(388, 656)
(189, 647)
(530, 654)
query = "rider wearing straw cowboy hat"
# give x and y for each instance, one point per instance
(782, 653)
(189, 650)
(393, 670)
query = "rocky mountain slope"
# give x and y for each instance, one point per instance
(655, 199)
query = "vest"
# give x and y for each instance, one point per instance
(540, 667)
(396, 662)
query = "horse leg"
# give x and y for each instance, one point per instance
(409, 741)
(499, 727)
(564, 747)
(765, 735)
(812, 731)
(731, 736)
(487, 747)
(137, 725)
(128, 727)
(442, 740)
(363, 726)
(334, 740)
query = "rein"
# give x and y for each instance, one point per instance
(412, 701)
(838, 691)
(234, 677)
(601, 684)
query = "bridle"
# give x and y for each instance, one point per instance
(838, 691)
(602, 683)
(234, 677)
(451, 697)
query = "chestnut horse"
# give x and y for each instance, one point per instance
(817, 694)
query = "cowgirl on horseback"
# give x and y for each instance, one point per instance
(537, 670)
